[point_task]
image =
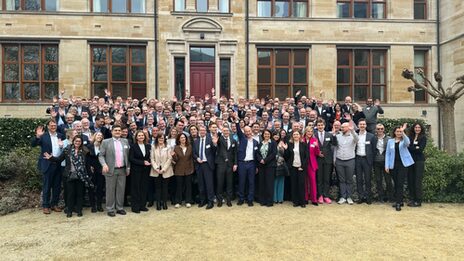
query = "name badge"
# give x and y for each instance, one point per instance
(417, 147)
(126, 147)
(327, 139)
(233, 146)
(256, 148)
(415, 143)
(368, 142)
(312, 146)
(208, 146)
(85, 142)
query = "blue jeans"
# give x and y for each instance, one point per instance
(51, 185)
(246, 171)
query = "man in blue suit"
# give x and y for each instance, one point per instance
(204, 151)
(247, 158)
(51, 142)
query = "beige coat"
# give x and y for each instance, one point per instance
(161, 157)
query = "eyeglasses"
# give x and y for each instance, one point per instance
(380, 128)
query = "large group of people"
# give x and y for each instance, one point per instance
(212, 151)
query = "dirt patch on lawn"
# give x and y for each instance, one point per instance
(328, 232)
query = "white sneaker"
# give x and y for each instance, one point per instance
(350, 201)
(342, 201)
(188, 205)
(177, 205)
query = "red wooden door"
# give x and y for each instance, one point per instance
(201, 79)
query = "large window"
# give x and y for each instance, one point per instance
(120, 69)
(30, 72)
(281, 72)
(179, 5)
(420, 62)
(361, 9)
(283, 8)
(30, 5)
(224, 6)
(420, 9)
(179, 78)
(202, 6)
(225, 77)
(361, 73)
(118, 6)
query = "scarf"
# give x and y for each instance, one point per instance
(77, 160)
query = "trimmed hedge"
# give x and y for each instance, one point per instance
(16, 132)
(392, 123)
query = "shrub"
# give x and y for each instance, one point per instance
(21, 164)
(392, 123)
(16, 132)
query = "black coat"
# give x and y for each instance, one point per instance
(137, 159)
(270, 159)
(304, 155)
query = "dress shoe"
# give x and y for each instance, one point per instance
(57, 209)
(136, 211)
(398, 207)
(121, 212)
(219, 203)
(100, 209)
(401, 205)
(210, 205)
(240, 202)
(158, 205)
(411, 203)
(201, 204)
(229, 204)
(269, 205)
(368, 201)
(362, 200)
(111, 214)
(150, 204)
(144, 209)
(250, 203)
(46, 211)
(303, 205)
(314, 204)
(69, 214)
(79, 213)
(417, 204)
(94, 209)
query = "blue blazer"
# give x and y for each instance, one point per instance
(45, 143)
(405, 156)
(243, 141)
(210, 151)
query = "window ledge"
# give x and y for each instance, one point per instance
(361, 20)
(76, 13)
(194, 13)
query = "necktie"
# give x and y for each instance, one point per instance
(201, 149)
(118, 152)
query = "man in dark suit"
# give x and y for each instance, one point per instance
(50, 142)
(365, 151)
(347, 106)
(204, 150)
(324, 161)
(247, 156)
(226, 160)
(386, 193)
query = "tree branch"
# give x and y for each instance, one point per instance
(422, 74)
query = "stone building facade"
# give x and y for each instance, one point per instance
(172, 48)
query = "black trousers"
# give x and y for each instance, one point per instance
(96, 194)
(205, 182)
(161, 189)
(184, 187)
(399, 174)
(266, 179)
(363, 177)
(380, 176)
(224, 173)
(139, 188)
(323, 174)
(297, 184)
(75, 194)
(415, 176)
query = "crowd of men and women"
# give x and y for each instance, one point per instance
(212, 151)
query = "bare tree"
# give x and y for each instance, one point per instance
(445, 98)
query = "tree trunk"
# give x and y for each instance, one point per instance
(449, 132)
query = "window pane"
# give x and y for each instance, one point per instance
(360, 10)
(419, 59)
(299, 57)
(119, 6)
(100, 6)
(264, 8)
(138, 55)
(118, 55)
(282, 57)
(31, 53)
(360, 93)
(118, 73)
(378, 76)
(343, 75)
(12, 91)
(224, 6)
(139, 91)
(119, 89)
(225, 77)
(201, 54)
(343, 57)
(51, 5)
(281, 92)
(202, 5)
(420, 96)
(11, 53)
(264, 57)
(100, 73)
(299, 75)
(264, 75)
(342, 92)
(360, 76)
(378, 92)
(51, 54)
(281, 8)
(99, 55)
(12, 5)
(31, 91)
(378, 10)
(281, 75)
(33, 5)
(50, 90)
(300, 88)
(263, 91)
(378, 58)
(99, 89)
(11, 72)
(179, 5)
(31, 72)
(138, 74)
(51, 72)
(300, 9)
(138, 6)
(419, 11)
(361, 58)
(343, 10)
(179, 88)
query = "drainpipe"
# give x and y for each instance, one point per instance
(247, 49)
(156, 46)
(439, 70)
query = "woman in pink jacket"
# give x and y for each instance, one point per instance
(313, 147)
